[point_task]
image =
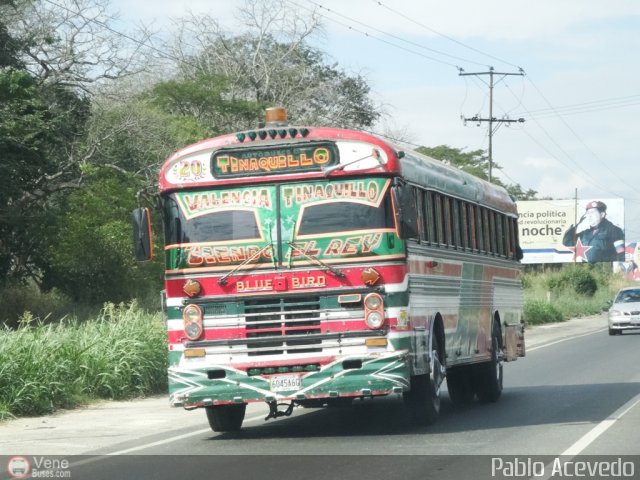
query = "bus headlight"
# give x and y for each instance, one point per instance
(374, 320)
(373, 311)
(373, 301)
(192, 318)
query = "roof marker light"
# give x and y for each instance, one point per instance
(275, 115)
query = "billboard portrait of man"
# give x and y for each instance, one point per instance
(595, 238)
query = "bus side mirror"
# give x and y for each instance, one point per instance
(142, 239)
(405, 211)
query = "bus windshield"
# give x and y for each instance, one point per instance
(325, 218)
(344, 217)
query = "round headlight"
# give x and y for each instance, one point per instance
(373, 301)
(192, 313)
(192, 318)
(374, 319)
(193, 330)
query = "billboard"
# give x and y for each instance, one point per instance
(564, 231)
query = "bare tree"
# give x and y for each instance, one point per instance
(73, 43)
(272, 62)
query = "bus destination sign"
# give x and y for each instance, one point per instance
(275, 159)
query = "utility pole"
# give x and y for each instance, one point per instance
(492, 120)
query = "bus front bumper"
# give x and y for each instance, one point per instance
(362, 376)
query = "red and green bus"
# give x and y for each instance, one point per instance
(312, 266)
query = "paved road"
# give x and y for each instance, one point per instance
(576, 393)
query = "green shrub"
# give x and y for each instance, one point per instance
(577, 278)
(539, 311)
(18, 299)
(584, 283)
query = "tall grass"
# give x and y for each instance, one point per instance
(44, 367)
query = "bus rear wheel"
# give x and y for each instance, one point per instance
(226, 418)
(488, 378)
(460, 385)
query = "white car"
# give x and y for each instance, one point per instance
(624, 313)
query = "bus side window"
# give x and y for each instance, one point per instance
(500, 234)
(404, 196)
(432, 224)
(486, 231)
(513, 239)
(473, 242)
(455, 212)
(480, 229)
(439, 221)
(464, 225)
(413, 222)
(419, 196)
(493, 229)
(448, 221)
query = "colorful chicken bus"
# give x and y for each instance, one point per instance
(314, 266)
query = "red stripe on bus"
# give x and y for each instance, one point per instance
(281, 282)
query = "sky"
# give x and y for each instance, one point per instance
(579, 95)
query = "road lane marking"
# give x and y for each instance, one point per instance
(587, 439)
(155, 444)
(555, 342)
(602, 427)
(174, 439)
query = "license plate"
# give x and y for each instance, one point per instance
(281, 383)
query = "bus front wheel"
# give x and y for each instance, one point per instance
(423, 400)
(226, 418)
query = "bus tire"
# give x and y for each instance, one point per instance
(226, 418)
(489, 377)
(423, 400)
(460, 385)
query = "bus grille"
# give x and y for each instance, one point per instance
(275, 319)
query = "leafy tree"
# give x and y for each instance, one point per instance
(51, 54)
(204, 99)
(91, 257)
(474, 162)
(518, 193)
(36, 125)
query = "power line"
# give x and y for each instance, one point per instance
(439, 52)
(573, 132)
(366, 34)
(587, 107)
(412, 20)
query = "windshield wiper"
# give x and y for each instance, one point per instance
(223, 280)
(316, 260)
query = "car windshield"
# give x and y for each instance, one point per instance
(628, 296)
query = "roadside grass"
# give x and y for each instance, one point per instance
(44, 367)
